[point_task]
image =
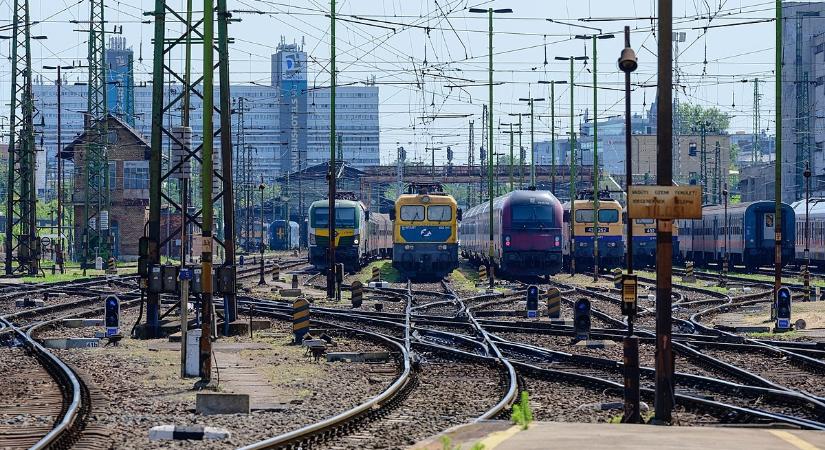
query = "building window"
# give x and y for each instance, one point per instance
(135, 174)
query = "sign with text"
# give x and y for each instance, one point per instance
(664, 202)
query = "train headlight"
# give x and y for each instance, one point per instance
(409, 247)
(582, 244)
(611, 244)
(557, 241)
(507, 242)
(355, 240)
(442, 247)
(311, 239)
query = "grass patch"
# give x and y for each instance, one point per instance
(385, 268)
(521, 414)
(462, 281)
(788, 335)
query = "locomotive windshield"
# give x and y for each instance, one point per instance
(605, 216)
(439, 213)
(412, 212)
(344, 217)
(532, 215)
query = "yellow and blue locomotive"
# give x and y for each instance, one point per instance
(425, 232)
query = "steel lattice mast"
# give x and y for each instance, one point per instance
(21, 221)
(96, 239)
(167, 42)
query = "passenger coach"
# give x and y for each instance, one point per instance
(526, 233)
(751, 234)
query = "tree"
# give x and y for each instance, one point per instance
(693, 116)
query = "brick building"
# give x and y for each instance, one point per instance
(128, 155)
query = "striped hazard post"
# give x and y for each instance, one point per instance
(482, 274)
(376, 274)
(276, 272)
(806, 279)
(300, 319)
(111, 266)
(357, 294)
(689, 276)
(554, 303)
(617, 278)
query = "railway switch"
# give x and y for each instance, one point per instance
(532, 301)
(112, 316)
(581, 319)
(783, 309)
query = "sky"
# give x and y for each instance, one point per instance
(430, 58)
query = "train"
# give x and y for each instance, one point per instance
(527, 234)
(816, 231)
(360, 235)
(283, 236)
(750, 234)
(610, 229)
(425, 232)
(644, 242)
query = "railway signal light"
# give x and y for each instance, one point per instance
(581, 319)
(532, 301)
(112, 315)
(783, 309)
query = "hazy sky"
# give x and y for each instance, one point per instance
(427, 45)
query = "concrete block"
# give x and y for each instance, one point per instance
(594, 343)
(378, 284)
(80, 323)
(66, 343)
(562, 322)
(358, 356)
(240, 327)
(193, 432)
(290, 292)
(30, 303)
(314, 343)
(208, 403)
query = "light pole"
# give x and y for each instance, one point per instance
(331, 179)
(572, 174)
(628, 64)
(531, 101)
(724, 268)
(553, 84)
(59, 246)
(261, 187)
(595, 38)
(490, 151)
(512, 156)
(806, 275)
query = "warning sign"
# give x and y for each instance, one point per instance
(664, 202)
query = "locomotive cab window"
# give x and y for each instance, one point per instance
(439, 213)
(344, 217)
(533, 215)
(412, 212)
(605, 216)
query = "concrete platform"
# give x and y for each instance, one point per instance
(502, 435)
